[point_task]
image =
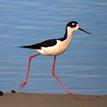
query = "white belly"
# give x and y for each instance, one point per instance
(59, 48)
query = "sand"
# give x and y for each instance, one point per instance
(51, 100)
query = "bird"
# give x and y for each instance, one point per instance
(53, 47)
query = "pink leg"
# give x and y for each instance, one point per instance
(60, 82)
(28, 70)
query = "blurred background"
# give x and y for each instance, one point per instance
(83, 67)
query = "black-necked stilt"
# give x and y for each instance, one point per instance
(53, 47)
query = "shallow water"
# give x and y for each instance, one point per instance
(83, 67)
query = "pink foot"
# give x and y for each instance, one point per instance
(70, 93)
(23, 84)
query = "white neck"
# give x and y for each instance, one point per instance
(69, 32)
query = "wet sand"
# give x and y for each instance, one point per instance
(51, 100)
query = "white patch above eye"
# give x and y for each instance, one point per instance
(73, 23)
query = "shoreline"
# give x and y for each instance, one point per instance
(51, 100)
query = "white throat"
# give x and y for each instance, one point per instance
(69, 32)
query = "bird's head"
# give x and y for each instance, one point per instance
(73, 26)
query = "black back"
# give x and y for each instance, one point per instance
(47, 43)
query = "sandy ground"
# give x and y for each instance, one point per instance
(51, 100)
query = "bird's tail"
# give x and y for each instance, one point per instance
(28, 46)
(24, 46)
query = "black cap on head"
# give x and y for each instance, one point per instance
(72, 24)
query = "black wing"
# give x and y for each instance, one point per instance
(46, 43)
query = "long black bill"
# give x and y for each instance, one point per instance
(84, 31)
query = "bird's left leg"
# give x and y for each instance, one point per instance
(28, 70)
(60, 82)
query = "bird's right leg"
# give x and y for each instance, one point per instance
(28, 71)
(60, 82)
